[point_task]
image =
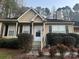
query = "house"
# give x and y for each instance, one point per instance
(32, 22)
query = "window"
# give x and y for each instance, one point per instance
(38, 34)
(26, 29)
(25, 32)
(58, 29)
(11, 30)
(11, 33)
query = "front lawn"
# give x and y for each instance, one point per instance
(8, 53)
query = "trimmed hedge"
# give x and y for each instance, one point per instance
(25, 41)
(9, 43)
(62, 38)
(76, 36)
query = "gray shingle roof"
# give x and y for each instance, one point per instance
(76, 23)
(57, 20)
(7, 20)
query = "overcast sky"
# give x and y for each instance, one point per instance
(50, 3)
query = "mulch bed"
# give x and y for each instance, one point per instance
(24, 56)
(19, 55)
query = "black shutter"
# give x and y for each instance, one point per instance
(6, 30)
(50, 29)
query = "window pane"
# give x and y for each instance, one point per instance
(11, 30)
(38, 34)
(58, 29)
(26, 29)
(11, 33)
(25, 32)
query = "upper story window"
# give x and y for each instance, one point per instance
(58, 28)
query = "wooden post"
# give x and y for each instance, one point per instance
(1, 30)
(44, 43)
(16, 28)
(43, 36)
(32, 28)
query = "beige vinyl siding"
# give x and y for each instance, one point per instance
(76, 30)
(46, 29)
(70, 28)
(38, 19)
(27, 17)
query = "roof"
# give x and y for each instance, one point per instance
(58, 20)
(76, 23)
(7, 20)
(33, 11)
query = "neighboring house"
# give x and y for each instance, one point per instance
(32, 22)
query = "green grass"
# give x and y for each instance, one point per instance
(6, 54)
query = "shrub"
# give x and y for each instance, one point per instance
(69, 40)
(9, 43)
(58, 40)
(76, 36)
(25, 41)
(61, 38)
(54, 38)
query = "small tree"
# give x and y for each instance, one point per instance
(25, 41)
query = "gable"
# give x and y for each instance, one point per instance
(38, 19)
(27, 16)
(30, 15)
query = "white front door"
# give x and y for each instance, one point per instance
(37, 33)
(37, 36)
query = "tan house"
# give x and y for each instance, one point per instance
(32, 22)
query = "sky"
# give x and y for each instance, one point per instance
(50, 3)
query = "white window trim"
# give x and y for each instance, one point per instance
(58, 28)
(25, 29)
(11, 28)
